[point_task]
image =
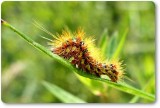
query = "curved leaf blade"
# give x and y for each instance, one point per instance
(61, 94)
(119, 86)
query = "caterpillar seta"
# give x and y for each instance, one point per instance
(82, 53)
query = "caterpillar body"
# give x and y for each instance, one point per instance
(83, 54)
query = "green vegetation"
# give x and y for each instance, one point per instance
(121, 36)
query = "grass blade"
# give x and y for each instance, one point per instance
(119, 86)
(120, 45)
(103, 41)
(36, 45)
(135, 98)
(61, 94)
(112, 45)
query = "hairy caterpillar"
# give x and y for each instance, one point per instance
(83, 54)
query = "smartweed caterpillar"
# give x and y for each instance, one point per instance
(83, 54)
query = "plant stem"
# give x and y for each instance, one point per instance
(120, 86)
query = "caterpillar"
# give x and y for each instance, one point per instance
(82, 53)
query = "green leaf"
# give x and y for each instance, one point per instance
(112, 45)
(120, 86)
(120, 45)
(103, 41)
(135, 98)
(61, 94)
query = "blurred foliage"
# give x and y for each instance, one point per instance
(23, 67)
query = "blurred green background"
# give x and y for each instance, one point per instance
(24, 67)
